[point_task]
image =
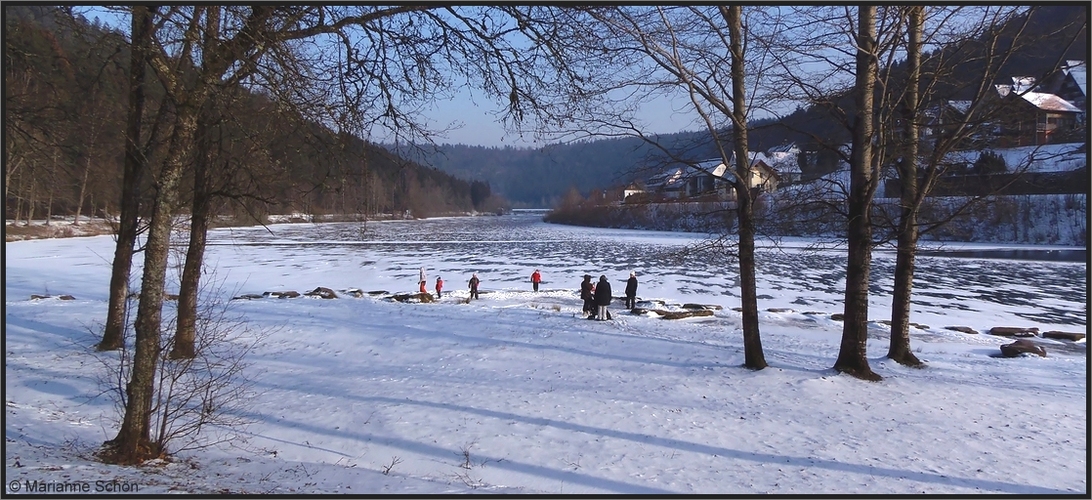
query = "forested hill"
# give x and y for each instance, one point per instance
(539, 177)
(65, 106)
(536, 177)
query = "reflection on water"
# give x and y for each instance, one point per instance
(1047, 286)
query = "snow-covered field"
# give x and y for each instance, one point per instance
(517, 393)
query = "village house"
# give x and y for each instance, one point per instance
(1024, 112)
(785, 160)
(1069, 83)
(708, 179)
(1035, 118)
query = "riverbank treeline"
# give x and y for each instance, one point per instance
(66, 102)
(1058, 219)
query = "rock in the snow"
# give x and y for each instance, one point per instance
(288, 294)
(964, 329)
(1014, 331)
(413, 297)
(323, 292)
(1020, 347)
(1053, 334)
(248, 296)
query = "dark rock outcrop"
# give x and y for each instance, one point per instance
(288, 294)
(1014, 331)
(424, 298)
(248, 296)
(690, 313)
(963, 329)
(1021, 347)
(323, 292)
(711, 307)
(919, 326)
(62, 297)
(1054, 334)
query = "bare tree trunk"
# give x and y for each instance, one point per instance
(133, 443)
(12, 167)
(899, 350)
(52, 189)
(92, 137)
(18, 208)
(129, 205)
(752, 341)
(83, 193)
(32, 200)
(186, 335)
(852, 358)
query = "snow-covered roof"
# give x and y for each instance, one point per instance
(665, 178)
(961, 106)
(783, 162)
(1049, 102)
(1022, 83)
(715, 166)
(789, 147)
(1079, 71)
(779, 163)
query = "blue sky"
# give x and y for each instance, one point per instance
(470, 118)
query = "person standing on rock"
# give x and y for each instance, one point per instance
(474, 282)
(422, 282)
(603, 298)
(631, 291)
(439, 286)
(536, 278)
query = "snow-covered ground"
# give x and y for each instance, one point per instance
(517, 393)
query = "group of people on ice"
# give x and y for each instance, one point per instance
(422, 282)
(596, 296)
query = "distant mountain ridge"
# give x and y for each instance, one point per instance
(539, 177)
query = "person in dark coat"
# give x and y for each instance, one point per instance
(474, 281)
(631, 290)
(602, 297)
(586, 289)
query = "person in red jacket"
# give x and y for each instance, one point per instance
(439, 286)
(536, 278)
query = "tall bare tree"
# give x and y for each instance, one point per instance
(990, 38)
(382, 47)
(185, 337)
(752, 342)
(907, 166)
(864, 178)
(697, 53)
(135, 164)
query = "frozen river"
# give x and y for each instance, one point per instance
(505, 250)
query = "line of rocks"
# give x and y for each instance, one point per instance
(1018, 348)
